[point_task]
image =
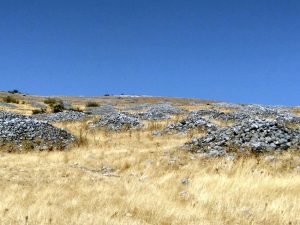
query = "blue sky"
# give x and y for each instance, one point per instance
(237, 51)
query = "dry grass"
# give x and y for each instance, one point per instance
(145, 188)
(74, 186)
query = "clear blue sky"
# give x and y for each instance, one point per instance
(237, 51)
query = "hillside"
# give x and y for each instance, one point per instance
(147, 160)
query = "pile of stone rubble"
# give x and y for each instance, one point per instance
(60, 116)
(22, 132)
(258, 135)
(193, 120)
(279, 114)
(118, 121)
(160, 111)
(257, 111)
(7, 105)
(101, 110)
(4, 115)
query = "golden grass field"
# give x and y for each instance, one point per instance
(145, 186)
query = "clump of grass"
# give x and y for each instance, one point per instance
(155, 125)
(82, 139)
(92, 104)
(56, 105)
(38, 111)
(50, 101)
(10, 99)
(77, 109)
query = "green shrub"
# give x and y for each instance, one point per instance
(10, 99)
(92, 104)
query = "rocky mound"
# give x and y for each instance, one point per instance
(193, 120)
(118, 121)
(101, 110)
(61, 116)
(258, 111)
(22, 132)
(160, 111)
(254, 134)
(4, 115)
(279, 114)
(8, 105)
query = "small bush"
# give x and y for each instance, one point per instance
(92, 104)
(15, 91)
(10, 99)
(50, 101)
(57, 105)
(38, 111)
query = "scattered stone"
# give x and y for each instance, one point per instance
(270, 158)
(184, 193)
(142, 178)
(185, 181)
(104, 171)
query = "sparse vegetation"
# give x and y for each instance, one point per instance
(133, 177)
(92, 104)
(56, 105)
(76, 109)
(38, 111)
(51, 101)
(145, 184)
(10, 99)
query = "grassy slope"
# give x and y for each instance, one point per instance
(68, 188)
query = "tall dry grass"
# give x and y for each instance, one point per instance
(146, 184)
